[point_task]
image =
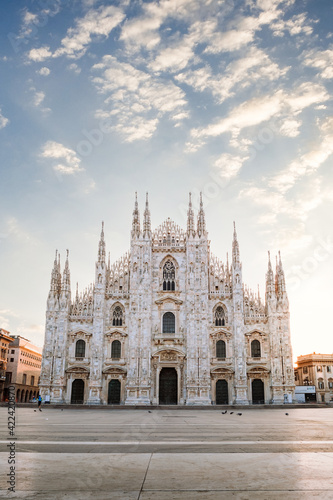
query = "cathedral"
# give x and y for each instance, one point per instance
(167, 324)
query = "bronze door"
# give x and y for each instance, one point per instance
(258, 396)
(168, 386)
(77, 391)
(222, 392)
(114, 392)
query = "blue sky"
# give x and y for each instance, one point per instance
(102, 99)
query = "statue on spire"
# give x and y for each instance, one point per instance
(270, 286)
(136, 219)
(101, 246)
(235, 249)
(56, 276)
(190, 218)
(146, 220)
(201, 228)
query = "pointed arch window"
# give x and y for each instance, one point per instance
(220, 349)
(219, 316)
(169, 275)
(117, 317)
(116, 349)
(80, 349)
(255, 349)
(169, 323)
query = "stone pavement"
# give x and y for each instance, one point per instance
(165, 454)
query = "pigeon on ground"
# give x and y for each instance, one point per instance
(149, 411)
(224, 412)
(35, 410)
(286, 413)
(239, 414)
(231, 412)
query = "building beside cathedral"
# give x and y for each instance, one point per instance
(168, 323)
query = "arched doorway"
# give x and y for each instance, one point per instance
(168, 390)
(258, 395)
(22, 396)
(222, 397)
(114, 392)
(77, 391)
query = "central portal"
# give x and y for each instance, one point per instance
(168, 387)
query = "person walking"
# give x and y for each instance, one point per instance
(39, 402)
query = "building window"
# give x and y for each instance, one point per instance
(117, 319)
(116, 349)
(169, 275)
(220, 349)
(24, 378)
(328, 369)
(330, 384)
(169, 323)
(80, 349)
(12, 360)
(305, 369)
(8, 377)
(321, 384)
(32, 380)
(319, 368)
(219, 316)
(255, 349)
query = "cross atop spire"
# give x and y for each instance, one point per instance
(201, 228)
(136, 218)
(146, 220)
(190, 218)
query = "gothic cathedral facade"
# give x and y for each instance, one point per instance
(168, 323)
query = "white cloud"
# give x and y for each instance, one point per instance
(295, 26)
(136, 100)
(74, 67)
(255, 66)
(229, 165)
(3, 120)
(38, 98)
(5, 315)
(44, 71)
(40, 54)
(177, 56)
(242, 30)
(290, 128)
(96, 23)
(99, 22)
(281, 105)
(308, 163)
(68, 164)
(322, 60)
(142, 32)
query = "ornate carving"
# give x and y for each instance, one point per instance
(168, 356)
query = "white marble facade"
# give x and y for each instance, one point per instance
(168, 323)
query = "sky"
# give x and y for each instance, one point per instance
(101, 99)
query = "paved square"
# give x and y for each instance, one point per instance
(170, 454)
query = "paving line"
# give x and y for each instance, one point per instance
(164, 424)
(167, 443)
